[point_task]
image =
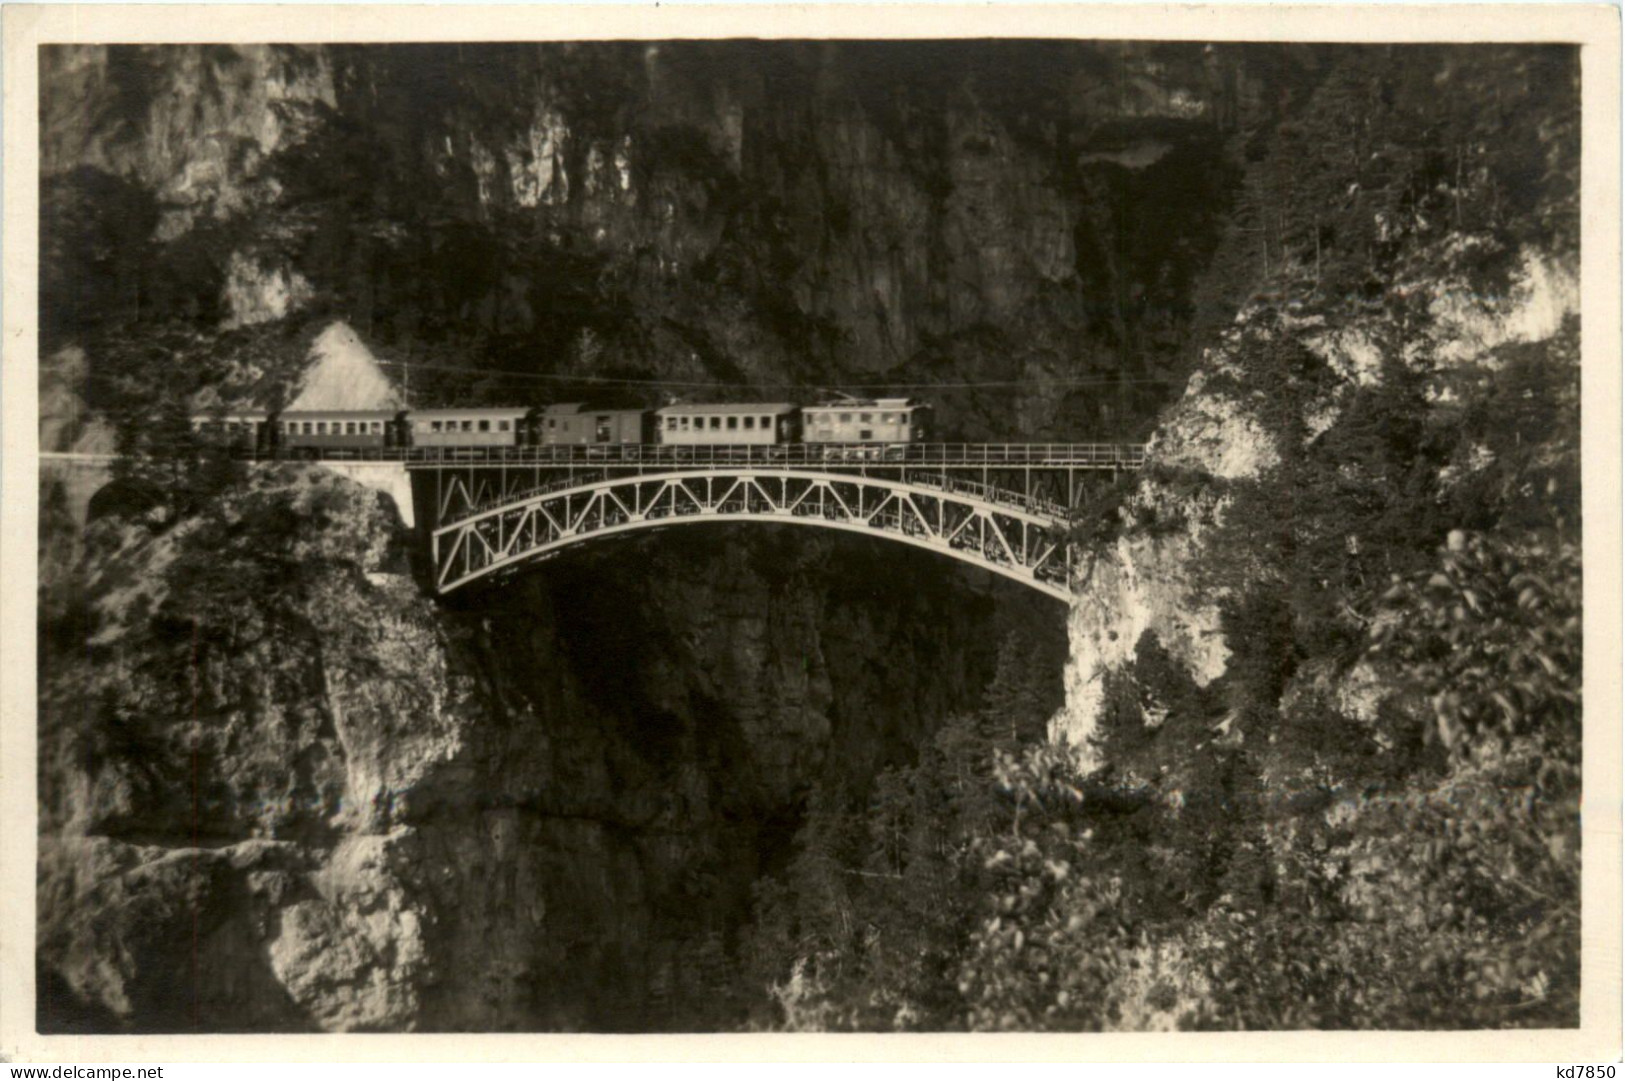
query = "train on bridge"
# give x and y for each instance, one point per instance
(496, 487)
(880, 428)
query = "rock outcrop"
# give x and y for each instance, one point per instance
(1286, 400)
(778, 213)
(284, 790)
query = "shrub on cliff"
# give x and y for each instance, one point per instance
(1371, 818)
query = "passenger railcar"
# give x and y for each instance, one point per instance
(572, 424)
(336, 428)
(243, 430)
(468, 427)
(728, 423)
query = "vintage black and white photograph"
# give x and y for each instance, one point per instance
(819, 535)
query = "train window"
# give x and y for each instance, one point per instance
(888, 418)
(378, 427)
(434, 426)
(671, 424)
(716, 424)
(485, 425)
(349, 427)
(865, 433)
(468, 426)
(863, 418)
(551, 423)
(846, 418)
(750, 424)
(502, 426)
(733, 424)
(767, 423)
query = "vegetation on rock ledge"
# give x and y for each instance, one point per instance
(1371, 819)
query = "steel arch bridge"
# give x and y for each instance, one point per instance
(1017, 536)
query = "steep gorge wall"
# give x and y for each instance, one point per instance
(771, 214)
(302, 796)
(283, 790)
(1357, 380)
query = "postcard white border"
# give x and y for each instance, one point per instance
(1595, 28)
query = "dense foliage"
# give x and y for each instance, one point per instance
(1415, 870)
(751, 214)
(1371, 819)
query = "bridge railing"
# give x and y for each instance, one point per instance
(845, 455)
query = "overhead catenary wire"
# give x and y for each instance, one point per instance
(615, 380)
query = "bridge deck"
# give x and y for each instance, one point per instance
(824, 455)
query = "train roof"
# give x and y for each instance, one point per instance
(471, 411)
(344, 414)
(725, 408)
(572, 408)
(871, 403)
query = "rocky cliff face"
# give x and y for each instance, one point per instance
(770, 214)
(283, 790)
(1320, 404)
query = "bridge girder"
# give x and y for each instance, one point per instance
(1005, 533)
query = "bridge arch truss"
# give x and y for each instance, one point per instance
(1018, 537)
